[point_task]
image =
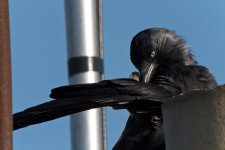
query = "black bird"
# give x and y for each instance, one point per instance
(166, 68)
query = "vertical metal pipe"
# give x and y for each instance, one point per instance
(5, 80)
(85, 61)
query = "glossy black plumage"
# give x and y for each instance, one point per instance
(144, 131)
(166, 67)
(175, 62)
(119, 93)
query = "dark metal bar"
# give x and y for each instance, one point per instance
(5, 79)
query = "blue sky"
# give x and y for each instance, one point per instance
(39, 54)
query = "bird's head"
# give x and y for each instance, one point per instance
(157, 47)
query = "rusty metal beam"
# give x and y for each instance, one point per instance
(5, 79)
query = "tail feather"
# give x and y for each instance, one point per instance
(62, 107)
(48, 111)
(119, 94)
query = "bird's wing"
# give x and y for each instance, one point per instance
(120, 94)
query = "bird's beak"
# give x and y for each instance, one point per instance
(147, 71)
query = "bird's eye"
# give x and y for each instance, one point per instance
(153, 54)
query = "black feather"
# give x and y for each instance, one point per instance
(119, 93)
(177, 72)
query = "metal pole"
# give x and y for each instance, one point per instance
(5, 80)
(85, 61)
